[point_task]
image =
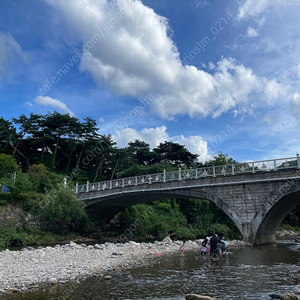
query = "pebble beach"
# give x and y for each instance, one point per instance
(31, 269)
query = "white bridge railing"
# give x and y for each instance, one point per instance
(239, 168)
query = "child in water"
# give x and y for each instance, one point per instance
(181, 246)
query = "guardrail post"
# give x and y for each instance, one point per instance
(179, 173)
(164, 175)
(110, 184)
(214, 171)
(275, 167)
(298, 161)
(232, 169)
(123, 184)
(87, 186)
(76, 188)
(98, 186)
(253, 170)
(135, 180)
(196, 174)
(149, 179)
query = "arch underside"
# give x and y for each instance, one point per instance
(105, 210)
(273, 218)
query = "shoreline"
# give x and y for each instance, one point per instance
(32, 269)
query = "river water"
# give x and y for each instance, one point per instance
(244, 274)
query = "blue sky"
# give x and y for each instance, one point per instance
(212, 75)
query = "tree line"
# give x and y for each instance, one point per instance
(67, 145)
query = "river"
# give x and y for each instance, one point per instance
(244, 274)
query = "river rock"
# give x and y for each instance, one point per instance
(198, 297)
(53, 281)
(97, 246)
(107, 277)
(289, 296)
(286, 296)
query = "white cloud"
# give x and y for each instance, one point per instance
(295, 106)
(250, 8)
(253, 8)
(251, 32)
(48, 101)
(273, 91)
(101, 120)
(155, 136)
(131, 51)
(9, 48)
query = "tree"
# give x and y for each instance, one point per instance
(59, 127)
(174, 154)
(7, 135)
(221, 159)
(139, 151)
(37, 173)
(8, 166)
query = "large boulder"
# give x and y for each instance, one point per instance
(198, 297)
(167, 240)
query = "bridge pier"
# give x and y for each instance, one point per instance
(257, 238)
(260, 239)
(264, 239)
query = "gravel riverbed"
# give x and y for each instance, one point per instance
(31, 269)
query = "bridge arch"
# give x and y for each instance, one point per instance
(116, 203)
(276, 207)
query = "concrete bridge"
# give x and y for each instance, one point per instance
(255, 195)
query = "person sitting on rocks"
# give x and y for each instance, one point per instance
(172, 234)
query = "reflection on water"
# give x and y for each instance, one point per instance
(244, 274)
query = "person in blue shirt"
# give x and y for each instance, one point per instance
(224, 245)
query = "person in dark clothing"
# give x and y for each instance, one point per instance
(213, 243)
(171, 234)
(203, 247)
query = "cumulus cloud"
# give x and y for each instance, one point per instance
(251, 32)
(155, 136)
(48, 101)
(128, 47)
(9, 49)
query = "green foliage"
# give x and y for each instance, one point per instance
(10, 236)
(293, 218)
(289, 227)
(8, 166)
(61, 211)
(190, 219)
(37, 173)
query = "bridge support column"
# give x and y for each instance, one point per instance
(264, 239)
(261, 238)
